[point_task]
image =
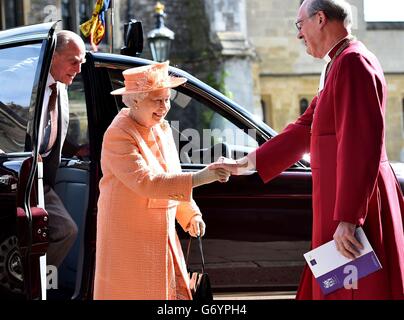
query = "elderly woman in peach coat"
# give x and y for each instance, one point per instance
(142, 193)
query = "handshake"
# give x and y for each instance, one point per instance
(221, 170)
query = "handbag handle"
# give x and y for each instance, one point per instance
(200, 251)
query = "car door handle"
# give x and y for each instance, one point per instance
(5, 180)
(8, 181)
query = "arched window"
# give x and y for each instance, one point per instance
(264, 109)
(304, 103)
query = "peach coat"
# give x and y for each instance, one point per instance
(142, 193)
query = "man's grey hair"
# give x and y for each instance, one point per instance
(338, 10)
(64, 37)
(132, 99)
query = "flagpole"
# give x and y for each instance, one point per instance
(111, 49)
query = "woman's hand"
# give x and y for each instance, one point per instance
(208, 175)
(196, 226)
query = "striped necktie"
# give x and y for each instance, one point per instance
(51, 129)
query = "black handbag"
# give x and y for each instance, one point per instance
(199, 281)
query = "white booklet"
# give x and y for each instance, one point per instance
(332, 270)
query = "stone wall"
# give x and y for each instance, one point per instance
(394, 117)
(228, 22)
(191, 49)
(388, 45)
(43, 11)
(210, 42)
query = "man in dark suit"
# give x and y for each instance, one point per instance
(66, 64)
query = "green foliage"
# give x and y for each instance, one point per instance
(206, 117)
(218, 83)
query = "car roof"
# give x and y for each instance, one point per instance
(26, 33)
(125, 60)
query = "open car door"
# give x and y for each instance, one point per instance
(25, 57)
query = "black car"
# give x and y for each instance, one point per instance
(256, 233)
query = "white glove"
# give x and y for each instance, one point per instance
(208, 175)
(235, 167)
(196, 226)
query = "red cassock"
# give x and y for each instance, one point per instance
(343, 129)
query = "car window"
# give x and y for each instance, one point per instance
(18, 66)
(202, 134)
(77, 142)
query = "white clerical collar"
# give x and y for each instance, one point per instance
(327, 57)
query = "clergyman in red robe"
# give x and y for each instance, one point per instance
(344, 131)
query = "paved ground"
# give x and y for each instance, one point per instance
(243, 266)
(282, 295)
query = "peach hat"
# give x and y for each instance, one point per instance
(148, 78)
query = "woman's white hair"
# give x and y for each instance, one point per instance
(132, 99)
